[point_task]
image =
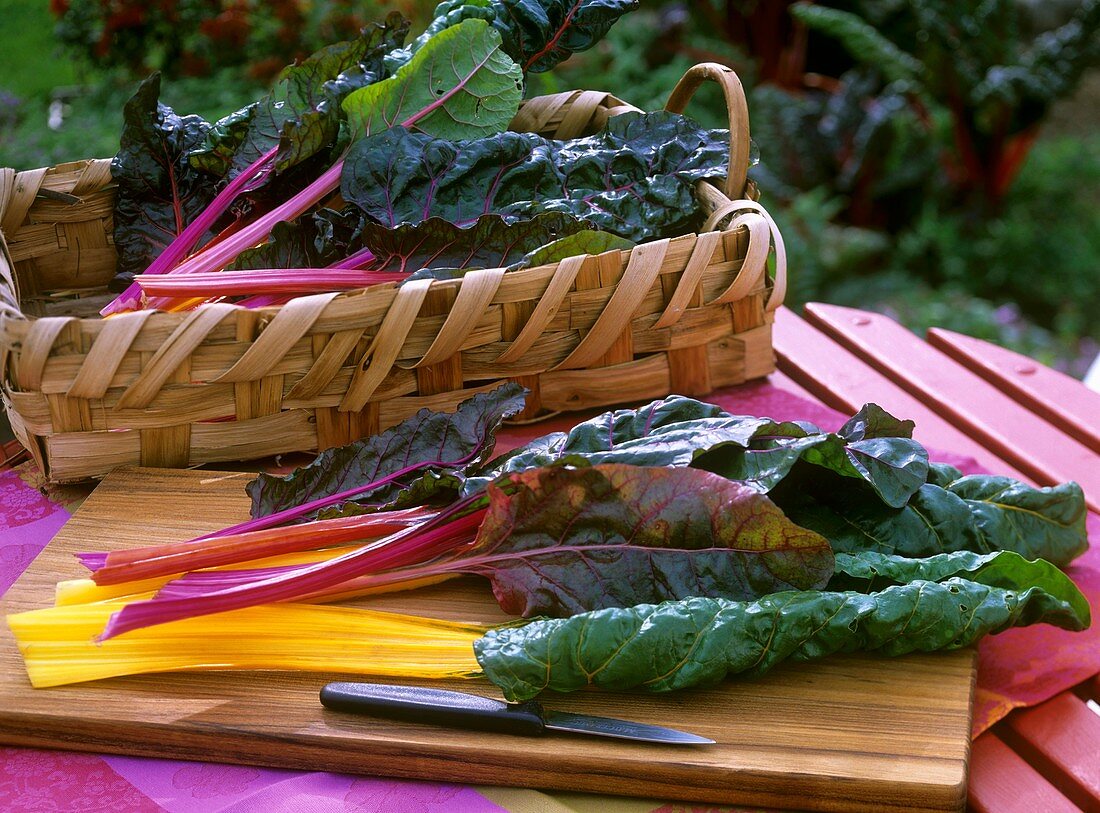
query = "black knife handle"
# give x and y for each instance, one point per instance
(433, 706)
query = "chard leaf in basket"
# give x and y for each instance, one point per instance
(588, 241)
(461, 84)
(301, 113)
(979, 513)
(584, 241)
(159, 192)
(699, 641)
(313, 241)
(490, 242)
(558, 541)
(423, 452)
(537, 34)
(635, 179)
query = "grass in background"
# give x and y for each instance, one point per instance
(33, 64)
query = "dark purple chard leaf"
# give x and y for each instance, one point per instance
(489, 242)
(159, 192)
(428, 451)
(301, 114)
(559, 541)
(537, 34)
(635, 179)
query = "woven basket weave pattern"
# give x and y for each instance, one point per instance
(226, 383)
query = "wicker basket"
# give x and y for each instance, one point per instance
(222, 382)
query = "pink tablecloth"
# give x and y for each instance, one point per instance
(1017, 668)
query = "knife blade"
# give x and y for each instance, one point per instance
(462, 710)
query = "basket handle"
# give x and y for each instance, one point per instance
(737, 108)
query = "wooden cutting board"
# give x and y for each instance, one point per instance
(849, 733)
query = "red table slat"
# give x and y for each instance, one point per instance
(1009, 430)
(1055, 396)
(1061, 738)
(1001, 782)
(843, 381)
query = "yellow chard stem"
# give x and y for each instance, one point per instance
(58, 643)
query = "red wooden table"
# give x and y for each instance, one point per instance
(1014, 416)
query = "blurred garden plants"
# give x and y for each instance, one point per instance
(901, 141)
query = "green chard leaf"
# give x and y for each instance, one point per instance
(868, 571)
(872, 421)
(159, 192)
(1037, 522)
(447, 442)
(559, 540)
(537, 34)
(894, 465)
(635, 179)
(586, 241)
(461, 84)
(301, 113)
(700, 641)
(979, 513)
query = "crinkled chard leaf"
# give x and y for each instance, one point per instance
(979, 513)
(558, 541)
(461, 84)
(633, 436)
(635, 179)
(448, 442)
(537, 34)
(159, 192)
(699, 641)
(759, 452)
(301, 114)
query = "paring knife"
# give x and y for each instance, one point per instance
(458, 709)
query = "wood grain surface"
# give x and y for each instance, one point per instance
(851, 733)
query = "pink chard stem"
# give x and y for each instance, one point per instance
(263, 281)
(178, 249)
(417, 544)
